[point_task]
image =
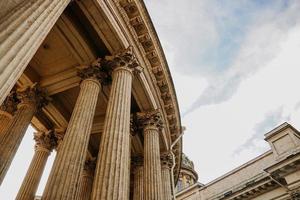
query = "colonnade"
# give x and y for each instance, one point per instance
(72, 176)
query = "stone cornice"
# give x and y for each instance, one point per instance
(135, 13)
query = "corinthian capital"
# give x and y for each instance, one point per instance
(59, 135)
(166, 160)
(95, 71)
(45, 140)
(125, 59)
(33, 95)
(10, 103)
(149, 119)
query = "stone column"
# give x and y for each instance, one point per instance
(68, 164)
(7, 110)
(166, 164)
(22, 31)
(138, 182)
(32, 98)
(86, 180)
(152, 124)
(45, 142)
(112, 173)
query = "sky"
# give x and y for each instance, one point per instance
(235, 66)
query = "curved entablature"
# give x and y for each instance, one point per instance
(136, 14)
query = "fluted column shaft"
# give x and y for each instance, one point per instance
(138, 185)
(69, 160)
(21, 33)
(85, 185)
(111, 180)
(5, 119)
(14, 135)
(34, 174)
(152, 165)
(166, 182)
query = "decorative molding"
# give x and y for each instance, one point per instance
(166, 160)
(45, 140)
(33, 94)
(10, 103)
(124, 58)
(149, 119)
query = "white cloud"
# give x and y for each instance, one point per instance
(215, 132)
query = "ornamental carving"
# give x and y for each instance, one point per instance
(102, 68)
(133, 126)
(10, 103)
(96, 71)
(45, 140)
(59, 134)
(153, 118)
(166, 160)
(124, 58)
(33, 95)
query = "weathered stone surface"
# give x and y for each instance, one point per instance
(112, 171)
(151, 124)
(138, 173)
(86, 180)
(64, 176)
(166, 164)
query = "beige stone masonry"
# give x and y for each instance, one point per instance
(152, 124)
(112, 173)
(68, 164)
(21, 33)
(166, 164)
(86, 180)
(138, 182)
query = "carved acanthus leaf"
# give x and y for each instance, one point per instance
(152, 118)
(33, 94)
(45, 140)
